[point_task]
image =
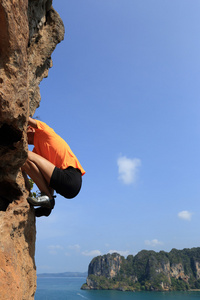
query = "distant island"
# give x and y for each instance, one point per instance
(65, 274)
(178, 270)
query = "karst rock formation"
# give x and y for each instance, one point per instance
(29, 33)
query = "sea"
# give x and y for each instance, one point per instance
(69, 288)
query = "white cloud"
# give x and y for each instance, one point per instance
(75, 247)
(153, 243)
(127, 169)
(185, 215)
(91, 253)
(121, 252)
(53, 248)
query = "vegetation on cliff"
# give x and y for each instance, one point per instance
(178, 270)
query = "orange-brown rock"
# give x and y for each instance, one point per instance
(46, 30)
(29, 32)
(17, 249)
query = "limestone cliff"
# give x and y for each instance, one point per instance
(107, 265)
(29, 32)
(148, 270)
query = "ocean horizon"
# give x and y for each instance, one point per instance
(69, 288)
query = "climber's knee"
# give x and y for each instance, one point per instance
(24, 167)
(27, 165)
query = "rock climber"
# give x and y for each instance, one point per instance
(52, 166)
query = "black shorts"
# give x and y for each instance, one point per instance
(66, 182)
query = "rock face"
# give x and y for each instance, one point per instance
(148, 270)
(17, 250)
(29, 32)
(107, 265)
(46, 30)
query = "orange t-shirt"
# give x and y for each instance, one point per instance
(51, 146)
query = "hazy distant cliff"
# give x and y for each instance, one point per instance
(29, 32)
(148, 270)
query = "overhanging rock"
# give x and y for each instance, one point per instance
(29, 32)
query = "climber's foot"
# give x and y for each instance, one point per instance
(42, 211)
(43, 201)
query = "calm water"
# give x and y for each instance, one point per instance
(69, 289)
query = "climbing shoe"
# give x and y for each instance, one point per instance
(42, 211)
(42, 200)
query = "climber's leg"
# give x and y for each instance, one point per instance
(45, 166)
(40, 170)
(34, 172)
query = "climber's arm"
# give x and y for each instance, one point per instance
(32, 122)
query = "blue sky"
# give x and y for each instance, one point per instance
(124, 93)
